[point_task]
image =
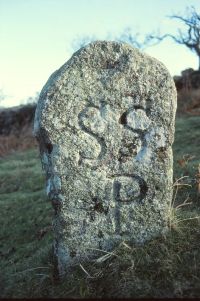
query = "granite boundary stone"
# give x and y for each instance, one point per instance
(105, 126)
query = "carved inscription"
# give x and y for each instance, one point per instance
(134, 121)
(92, 124)
(126, 188)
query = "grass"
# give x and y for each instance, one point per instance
(168, 266)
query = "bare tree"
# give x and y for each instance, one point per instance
(125, 36)
(2, 95)
(81, 41)
(190, 37)
(32, 99)
(135, 39)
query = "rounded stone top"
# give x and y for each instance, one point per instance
(105, 70)
(118, 52)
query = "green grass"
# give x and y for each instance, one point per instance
(187, 143)
(168, 266)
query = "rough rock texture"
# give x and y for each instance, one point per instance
(105, 125)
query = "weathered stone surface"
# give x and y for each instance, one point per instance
(105, 124)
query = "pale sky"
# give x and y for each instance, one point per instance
(36, 36)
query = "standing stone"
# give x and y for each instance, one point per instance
(105, 126)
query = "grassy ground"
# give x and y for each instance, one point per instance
(165, 267)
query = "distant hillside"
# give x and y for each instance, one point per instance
(16, 129)
(13, 120)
